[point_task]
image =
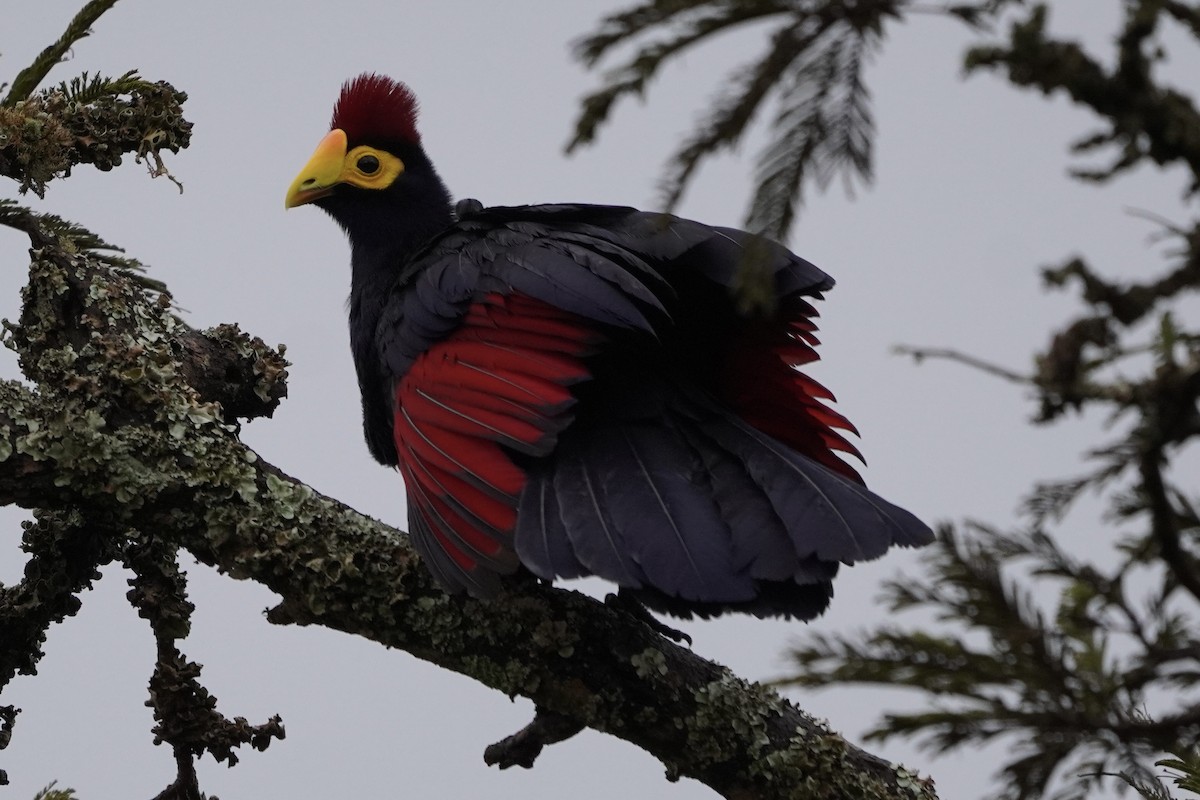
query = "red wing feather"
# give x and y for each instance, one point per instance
(765, 388)
(503, 478)
(497, 385)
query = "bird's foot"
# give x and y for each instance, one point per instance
(623, 601)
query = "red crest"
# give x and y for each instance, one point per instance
(375, 107)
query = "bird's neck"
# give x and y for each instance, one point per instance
(380, 252)
(374, 268)
(382, 248)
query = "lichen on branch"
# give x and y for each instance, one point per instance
(93, 121)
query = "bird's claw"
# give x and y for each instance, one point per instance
(629, 605)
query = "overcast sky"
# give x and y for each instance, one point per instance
(971, 196)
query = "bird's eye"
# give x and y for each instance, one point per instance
(368, 165)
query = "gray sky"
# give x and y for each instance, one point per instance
(970, 197)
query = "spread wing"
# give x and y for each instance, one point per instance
(596, 390)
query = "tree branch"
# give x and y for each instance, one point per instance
(523, 747)
(1146, 119)
(1164, 524)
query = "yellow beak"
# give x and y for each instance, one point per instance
(322, 172)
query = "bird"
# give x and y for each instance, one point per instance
(575, 390)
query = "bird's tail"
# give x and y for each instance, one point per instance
(699, 511)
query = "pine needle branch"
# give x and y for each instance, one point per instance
(824, 127)
(85, 89)
(813, 64)
(50, 793)
(623, 26)
(74, 238)
(632, 77)
(732, 113)
(27, 80)
(1005, 667)
(1186, 763)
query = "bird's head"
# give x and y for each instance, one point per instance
(370, 172)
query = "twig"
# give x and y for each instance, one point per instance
(919, 354)
(1157, 219)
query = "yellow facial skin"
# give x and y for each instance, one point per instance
(365, 167)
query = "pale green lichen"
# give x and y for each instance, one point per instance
(736, 722)
(291, 499)
(43, 136)
(90, 386)
(649, 662)
(721, 709)
(556, 635)
(511, 676)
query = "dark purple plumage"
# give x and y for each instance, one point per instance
(584, 390)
